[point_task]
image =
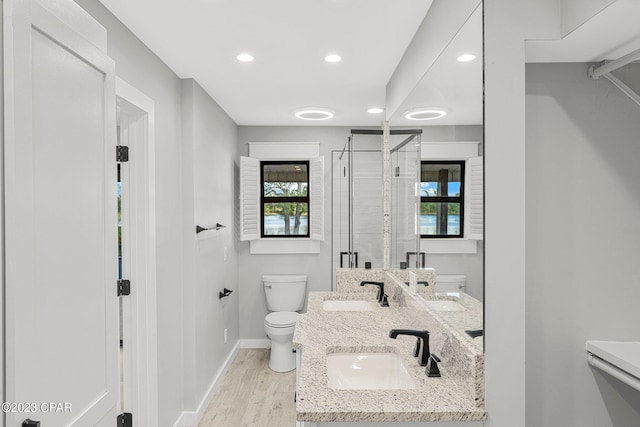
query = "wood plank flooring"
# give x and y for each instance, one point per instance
(252, 395)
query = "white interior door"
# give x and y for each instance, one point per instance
(60, 221)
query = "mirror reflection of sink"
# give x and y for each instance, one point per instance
(346, 305)
(367, 371)
(445, 305)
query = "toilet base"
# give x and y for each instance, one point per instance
(282, 359)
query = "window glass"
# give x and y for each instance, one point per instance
(285, 198)
(442, 199)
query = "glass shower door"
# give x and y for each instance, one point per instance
(405, 200)
(358, 202)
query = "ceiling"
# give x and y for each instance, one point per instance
(289, 39)
(450, 85)
(610, 34)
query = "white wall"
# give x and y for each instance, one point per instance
(583, 275)
(507, 24)
(189, 271)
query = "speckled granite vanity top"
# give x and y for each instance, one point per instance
(457, 396)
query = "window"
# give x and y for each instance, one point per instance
(262, 216)
(285, 198)
(442, 199)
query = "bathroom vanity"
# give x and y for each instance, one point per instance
(389, 386)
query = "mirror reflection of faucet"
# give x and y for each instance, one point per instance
(475, 333)
(385, 301)
(419, 282)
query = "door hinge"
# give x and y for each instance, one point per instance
(124, 287)
(122, 153)
(125, 420)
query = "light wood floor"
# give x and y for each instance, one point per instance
(252, 395)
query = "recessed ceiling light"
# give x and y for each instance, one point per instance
(245, 57)
(314, 114)
(425, 114)
(375, 110)
(467, 57)
(333, 58)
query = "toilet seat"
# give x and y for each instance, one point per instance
(281, 319)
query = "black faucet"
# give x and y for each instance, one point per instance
(423, 352)
(380, 286)
(432, 369)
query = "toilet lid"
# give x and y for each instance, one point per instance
(281, 319)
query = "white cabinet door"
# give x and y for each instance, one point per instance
(61, 319)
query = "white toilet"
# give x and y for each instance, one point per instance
(285, 296)
(451, 284)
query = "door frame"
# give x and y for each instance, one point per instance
(139, 258)
(2, 219)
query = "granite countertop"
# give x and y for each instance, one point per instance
(453, 397)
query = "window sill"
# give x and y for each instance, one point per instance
(284, 246)
(449, 246)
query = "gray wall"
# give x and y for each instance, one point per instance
(582, 245)
(189, 268)
(209, 150)
(318, 266)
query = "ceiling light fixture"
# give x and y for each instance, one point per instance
(333, 58)
(314, 114)
(425, 114)
(467, 57)
(375, 110)
(245, 57)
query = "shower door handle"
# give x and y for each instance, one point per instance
(342, 254)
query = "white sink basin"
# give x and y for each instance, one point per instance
(367, 371)
(346, 305)
(445, 305)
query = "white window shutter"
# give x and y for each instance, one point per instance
(316, 198)
(475, 177)
(249, 198)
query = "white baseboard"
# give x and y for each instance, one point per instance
(192, 418)
(263, 343)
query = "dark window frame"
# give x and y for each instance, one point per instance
(284, 199)
(446, 199)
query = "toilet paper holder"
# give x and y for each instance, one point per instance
(225, 293)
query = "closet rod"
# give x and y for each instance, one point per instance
(609, 66)
(614, 371)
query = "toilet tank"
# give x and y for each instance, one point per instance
(451, 283)
(285, 292)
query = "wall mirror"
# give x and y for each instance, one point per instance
(436, 147)
(436, 211)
